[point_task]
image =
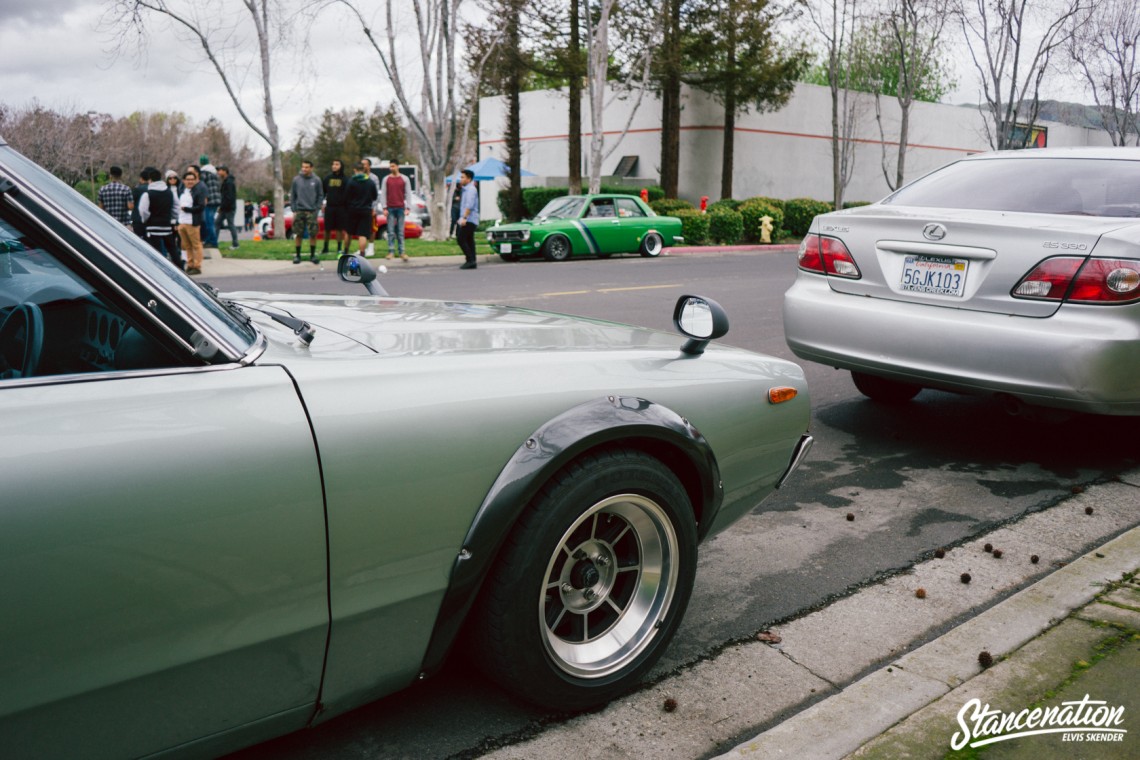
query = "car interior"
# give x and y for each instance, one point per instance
(52, 322)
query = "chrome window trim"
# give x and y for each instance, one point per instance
(101, 376)
(232, 352)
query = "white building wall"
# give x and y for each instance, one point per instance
(785, 154)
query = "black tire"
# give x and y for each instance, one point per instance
(509, 256)
(609, 543)
(652, 245)
(556, 248)
(883, 390)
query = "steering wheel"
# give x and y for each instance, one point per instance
(21, 341)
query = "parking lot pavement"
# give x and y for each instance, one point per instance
(884, 673)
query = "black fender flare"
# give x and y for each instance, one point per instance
(609, 420)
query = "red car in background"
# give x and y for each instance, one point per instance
(411, 229)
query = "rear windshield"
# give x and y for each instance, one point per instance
(1078, 186)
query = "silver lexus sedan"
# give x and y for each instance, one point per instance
(1007, 274)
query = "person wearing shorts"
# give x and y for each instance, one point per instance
(359, 197)
(306, 196)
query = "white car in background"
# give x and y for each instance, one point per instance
(1011, 274)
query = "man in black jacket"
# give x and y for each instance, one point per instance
(336, 213)
(359, 196)
(228, 206)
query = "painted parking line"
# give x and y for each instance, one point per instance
(640, 287)
(603, 290)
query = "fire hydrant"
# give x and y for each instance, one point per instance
(644, 195)
(704, 203)
(765, 229)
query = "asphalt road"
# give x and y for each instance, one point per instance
(919, 476)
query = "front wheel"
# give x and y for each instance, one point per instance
(592, 583)
(557, 248)
(883, 390)
(652, 245)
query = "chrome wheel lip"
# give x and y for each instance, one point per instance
(654, 244)
(640, 617)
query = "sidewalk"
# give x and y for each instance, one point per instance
(884, 674)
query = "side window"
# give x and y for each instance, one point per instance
(52, 322)
(602, 207)
(627, 208)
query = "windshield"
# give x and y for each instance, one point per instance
(567, 207)
(1078, 186)
(176, 284)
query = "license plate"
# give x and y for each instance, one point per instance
(939, 275)
(505, 248)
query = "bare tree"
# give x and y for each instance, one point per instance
(915, 28)
(213, 26)
(434, 118)
(638, 58)
(1104, 48)
(63, 142)
(835, 21)
(1000, 35)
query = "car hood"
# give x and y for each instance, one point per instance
(388, 327)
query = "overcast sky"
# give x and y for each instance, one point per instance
(56, 53)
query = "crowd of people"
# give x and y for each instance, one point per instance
(179, 215)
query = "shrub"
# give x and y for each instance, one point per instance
(666, 206)
(726, 204)
(694, 225)
(725, 226)
(800, 211)
(655, 191)
(753, 212)
(773, 202)
(855, 204)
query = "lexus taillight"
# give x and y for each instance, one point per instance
(1079, 280)
(827, 255)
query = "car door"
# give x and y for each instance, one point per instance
(162, 535)
(634, 223)
(603, 226)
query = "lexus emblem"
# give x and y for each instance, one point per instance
(934, 231)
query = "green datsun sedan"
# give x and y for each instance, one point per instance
(587, 225)
(224, 518)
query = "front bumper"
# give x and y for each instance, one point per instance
(1082, 358)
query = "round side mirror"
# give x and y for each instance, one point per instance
(701, 319)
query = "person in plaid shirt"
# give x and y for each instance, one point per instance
(116, 199)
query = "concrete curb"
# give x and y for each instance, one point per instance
(891, 694)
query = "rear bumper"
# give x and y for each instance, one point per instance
(1082, 358)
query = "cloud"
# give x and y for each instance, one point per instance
(37, 12)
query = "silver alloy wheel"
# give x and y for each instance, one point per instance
(558, 248)
(652, 245)
(609, 584)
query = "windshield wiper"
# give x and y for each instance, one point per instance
(302, 329)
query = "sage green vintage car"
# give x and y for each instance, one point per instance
(226, 518)
(587, 225)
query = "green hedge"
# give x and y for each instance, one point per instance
(725, 203)
(753, 212)
(666, 206)
(773, 202)
(800, 211)
(725, 226)
(855, 204)
(535, 198)
(694, 225)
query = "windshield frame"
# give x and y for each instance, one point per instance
(134, 265)
(567, 202)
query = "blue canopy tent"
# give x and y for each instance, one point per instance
(492, 168)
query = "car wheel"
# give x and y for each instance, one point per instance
(651, 245)
(591, 584)
(509, 256)
(884, 390)
(557, 248)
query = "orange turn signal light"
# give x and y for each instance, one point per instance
(781, 394)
